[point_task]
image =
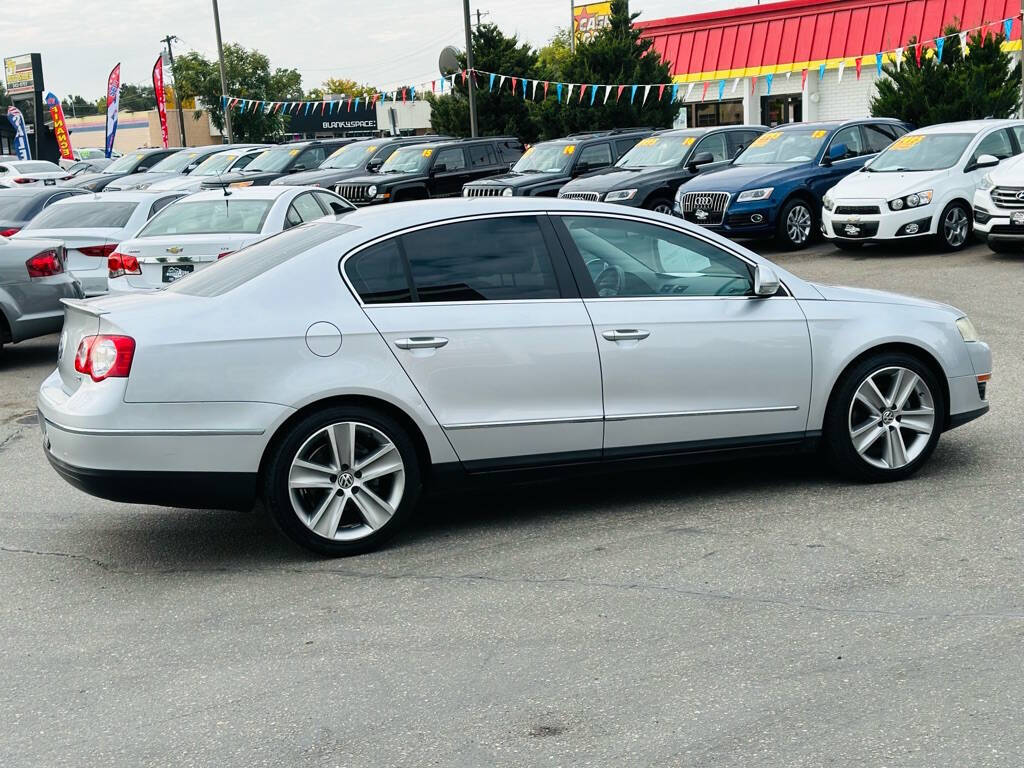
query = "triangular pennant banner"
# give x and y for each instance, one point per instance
(661, 91)
(618, 93)
(769, 79)
(546, 84)
(593, 94)
(753, 84)
(963, 44)
(675, 92)
(803, 80)
(1007, 29)
(857, 63)
(842, 66)
(878, 63)
(704, 91)
(583, 91)
(568, 95)
(721, 89)
(558, 91)
(917, 53)
(490, 83)
(515, 80)
(735, 84)
(647, 90)
(607, 93)
(940, 43)
(899, 59)
(689, 90)
(632, 93)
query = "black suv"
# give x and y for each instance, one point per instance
(282, 160)
(546, 167)
(356, 159)
(650, 173)
(433, 169)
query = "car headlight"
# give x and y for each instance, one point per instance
(620, 194)
(372, 190)
(967, 329)
(986, 183)
(913, 200)
(755, 194)
(828, 203)
(506, 192)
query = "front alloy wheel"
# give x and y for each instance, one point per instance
(955, 227)
(796, 223)
(342, 481)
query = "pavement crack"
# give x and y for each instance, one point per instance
(67, 555)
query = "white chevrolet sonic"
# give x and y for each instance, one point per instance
(340, 367)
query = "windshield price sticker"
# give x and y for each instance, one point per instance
(906, 142)
(818, 134)
(569, 149)
(528, 152)
(338, 151)
(428, 152)
(689, 141)
(371, 148)
(650, 141)
(293, 152)
(766, 138)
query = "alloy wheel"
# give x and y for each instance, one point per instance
(662, 208)
(955, 227)
(346, 481)
(892, 417)
(798, 224)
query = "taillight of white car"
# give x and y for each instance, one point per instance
(105, 356)
(45, 264)
(120, 264)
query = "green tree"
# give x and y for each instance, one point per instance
(981, 84)
(499, 111)
(340, 85)
(76, 106)
(249, 76)
(616, 55)
(554, 58)
(137, 98)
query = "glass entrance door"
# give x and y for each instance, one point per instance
(777, 110)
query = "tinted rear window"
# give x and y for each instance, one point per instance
(15, 207)
(95, 213)
(207, 217)
(241, 267)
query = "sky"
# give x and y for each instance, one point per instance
(384, 42)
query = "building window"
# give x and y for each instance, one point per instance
(714, 113)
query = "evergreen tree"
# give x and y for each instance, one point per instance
(984, 83)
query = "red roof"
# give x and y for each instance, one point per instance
(804, 34)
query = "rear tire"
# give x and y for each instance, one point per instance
(795, 228)
(954, 231)
(317, 484)
(869, 434)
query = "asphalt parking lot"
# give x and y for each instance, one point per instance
(760, 613)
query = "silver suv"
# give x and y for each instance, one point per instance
(338, 368)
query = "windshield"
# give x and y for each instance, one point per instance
(545, 158)
(351, 156)
(658, 150)
(36, 166)
(90, 153)
(215, 164)
(125, 163)
(921, 152)
(274, 160)
(799, 145)
(86, 215)
(209, 217)
(408, 160)
(179, 161)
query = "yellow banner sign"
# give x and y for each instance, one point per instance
(589, 19)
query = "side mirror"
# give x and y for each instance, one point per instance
(582, 168)
(439, 168)
(374, 165)
(511, 166)
(835, 152)
(701, 158)
(766, 282)
(986, 161)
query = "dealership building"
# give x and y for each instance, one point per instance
(756, 56)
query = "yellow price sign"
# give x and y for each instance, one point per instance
(689, 141)
(906, 142)
(338, 151)
(767, 138)
(818, 134)
(428, 152)
(569, 149)
(371, 148)
(528, 152)
(293, 152)
(650, 141)
(139, 157)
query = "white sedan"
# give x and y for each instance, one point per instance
(208, 226)
(91, 226)
(922, 185)
(38, 173)
(227, 161)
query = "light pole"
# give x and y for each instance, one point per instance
(223, 74)
(469, 68)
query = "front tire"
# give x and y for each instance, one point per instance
(884, 419)
(660, 205)
(955, 226)
(796, 225)
(342, 481)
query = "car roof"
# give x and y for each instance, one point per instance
(968, 126)
(134, 196)
(268, 192)
(829, 125)
(476, 140)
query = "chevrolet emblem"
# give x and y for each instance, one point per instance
(175, 250)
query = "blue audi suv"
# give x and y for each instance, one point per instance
(774, 187)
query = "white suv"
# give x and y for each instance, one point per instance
(922, 185)
(999, 207)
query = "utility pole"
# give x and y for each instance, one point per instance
(572, 25)
(177, 93)
(469, 68)
(223, 73)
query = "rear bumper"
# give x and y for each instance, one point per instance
(193, 490)
(45, 292)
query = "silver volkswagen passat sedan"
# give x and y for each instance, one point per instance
(340, 367)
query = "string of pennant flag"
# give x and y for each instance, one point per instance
(600, 93)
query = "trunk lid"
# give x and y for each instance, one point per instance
(74, 240)
(165, 259)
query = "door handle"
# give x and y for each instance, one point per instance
(626, 334)
(422, 342)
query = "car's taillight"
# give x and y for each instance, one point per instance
(22, 181)
(222, 254)
(105, 357)
(98, 251)
(120, 264)
(45, 264)
(9, 231)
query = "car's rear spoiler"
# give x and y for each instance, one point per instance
(83, 305)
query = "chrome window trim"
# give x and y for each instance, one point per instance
(503, 214)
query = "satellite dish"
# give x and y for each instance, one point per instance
(448, 62)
